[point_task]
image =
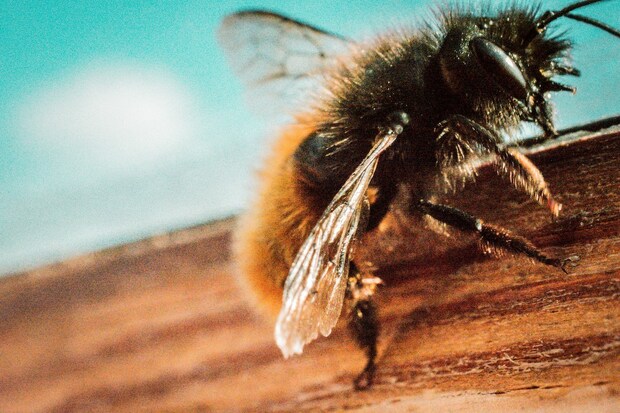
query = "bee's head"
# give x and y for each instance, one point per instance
(504, 66)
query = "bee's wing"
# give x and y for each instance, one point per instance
(279, 59)
(315, 287)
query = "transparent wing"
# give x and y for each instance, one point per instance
(315, 287)
(279, 59)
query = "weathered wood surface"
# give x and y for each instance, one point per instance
(161, 325)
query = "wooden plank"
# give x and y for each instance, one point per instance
(161, 325)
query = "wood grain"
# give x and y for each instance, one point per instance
(161, 325)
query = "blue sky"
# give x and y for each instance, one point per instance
(120, 120)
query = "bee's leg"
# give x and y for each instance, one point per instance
(364, 324)
(381, 205)
(459, 136)
(492, 238)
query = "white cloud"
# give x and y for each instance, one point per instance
(109, 116)
(114, 153)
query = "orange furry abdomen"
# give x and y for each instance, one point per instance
(273, 229)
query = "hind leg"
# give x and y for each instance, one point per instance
(364, 323)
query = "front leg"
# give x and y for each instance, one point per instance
(491, 237)
(460, 136)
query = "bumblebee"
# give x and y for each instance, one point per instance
(410, 109)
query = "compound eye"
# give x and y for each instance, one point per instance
(500, 66)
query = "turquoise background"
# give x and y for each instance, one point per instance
(119, 120)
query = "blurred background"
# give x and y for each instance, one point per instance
(121, 120)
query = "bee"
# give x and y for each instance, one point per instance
(410, 109)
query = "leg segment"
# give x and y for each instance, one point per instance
(364, 324)
(459, 136)
(380, 207)
(491, 236)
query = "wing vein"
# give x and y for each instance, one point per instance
(315, 287)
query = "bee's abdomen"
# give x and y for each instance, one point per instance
(271, 232)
